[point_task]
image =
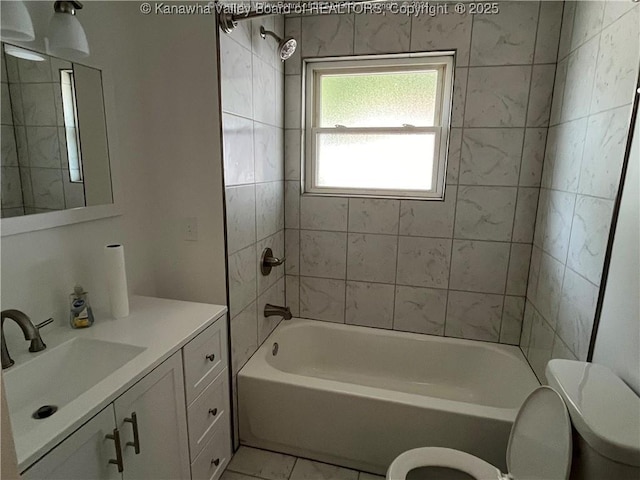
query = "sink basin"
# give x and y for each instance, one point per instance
(60, 375)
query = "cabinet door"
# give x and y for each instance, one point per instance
(155, 409)
(84, 455)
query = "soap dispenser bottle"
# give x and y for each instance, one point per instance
(81, 315)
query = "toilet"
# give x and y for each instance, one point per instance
(603, 444)
(539, 446)
(605, 414)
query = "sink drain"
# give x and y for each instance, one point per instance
(45, 412)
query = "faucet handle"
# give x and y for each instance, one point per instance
(44, 323)
(37, 345)
(268, 261)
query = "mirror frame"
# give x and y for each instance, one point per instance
(44, 221)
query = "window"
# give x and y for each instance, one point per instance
(377, 126)
(70, 111)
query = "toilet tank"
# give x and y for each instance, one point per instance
(605, 414)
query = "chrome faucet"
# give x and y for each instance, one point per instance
(31, 332)
(275, 311)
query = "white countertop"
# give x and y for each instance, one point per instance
(160, 326)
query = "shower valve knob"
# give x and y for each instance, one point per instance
(268, 261)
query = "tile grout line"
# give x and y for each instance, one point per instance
(515, 208)
(411, 46)
(466, 239)
(346, 266)
(455, 207)
(395, 278)
(589, 114)
(588, 39)
(299, 218)
(418, 286)
(353, 41)
(293, 467)
(255, 198)
(289, 476)
(583, 117)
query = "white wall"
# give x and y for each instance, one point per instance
(176, 135)
(161, 99)
(618, 339)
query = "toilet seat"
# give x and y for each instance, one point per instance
(539, 446)
(441, 457)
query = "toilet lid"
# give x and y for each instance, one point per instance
(540, 440)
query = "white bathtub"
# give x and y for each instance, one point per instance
(358, 397)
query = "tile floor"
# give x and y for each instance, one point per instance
(254, 464)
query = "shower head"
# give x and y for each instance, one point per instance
(286, 46)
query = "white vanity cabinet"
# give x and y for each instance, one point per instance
(83, 455)
(143, 433)
(174, 423)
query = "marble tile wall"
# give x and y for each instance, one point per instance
(35, 169)
(12, 201)
(591, 107)
(253, 142)
(458, 267)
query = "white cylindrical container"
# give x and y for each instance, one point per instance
(116, 280)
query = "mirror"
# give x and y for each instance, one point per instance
(54, 136)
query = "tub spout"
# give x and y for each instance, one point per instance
(275, 310)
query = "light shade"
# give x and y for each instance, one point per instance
(66, 36)
(16, 22)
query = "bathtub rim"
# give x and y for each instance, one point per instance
(259, 369)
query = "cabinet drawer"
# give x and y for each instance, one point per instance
(214, 457)
(204, 358)
(206, 411)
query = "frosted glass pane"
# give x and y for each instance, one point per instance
(68, 99)
(73, 155)
(378, 99)
(71, 132)
(375, 161)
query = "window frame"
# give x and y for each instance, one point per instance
(71, 123)
(312, 71)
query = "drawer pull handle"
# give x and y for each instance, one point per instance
(213, 411)
(136, 437)
(115, 436)
(211, 357)
(215, 462)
